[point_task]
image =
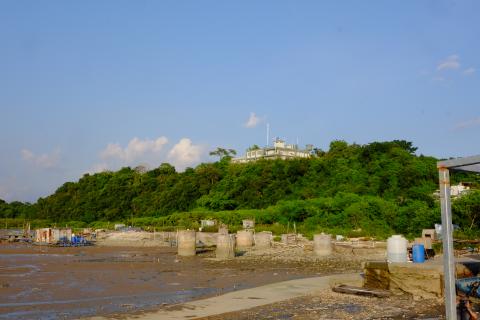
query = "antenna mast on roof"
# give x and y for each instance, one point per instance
(268, 134)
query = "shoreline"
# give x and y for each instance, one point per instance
(245, 299)
(74, 282)
(154, 283)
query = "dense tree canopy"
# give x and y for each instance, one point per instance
(381, 185)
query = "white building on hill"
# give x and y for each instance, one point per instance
(279, 150)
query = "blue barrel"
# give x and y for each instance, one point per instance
(418, 253)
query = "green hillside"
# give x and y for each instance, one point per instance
(381, 187)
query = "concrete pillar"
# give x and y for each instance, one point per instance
(186, 242)
(225, 246)
(322, 245)
(244, 239)
(263, 240)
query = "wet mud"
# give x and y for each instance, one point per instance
(68, 283)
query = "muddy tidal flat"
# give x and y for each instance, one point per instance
(38, 282)
(67, 283)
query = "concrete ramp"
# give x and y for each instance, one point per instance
(248, 298)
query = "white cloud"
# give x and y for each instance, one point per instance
(27, 154)
(469, 71)
(252, 121)
(113, 150)
(450, 63)
(185, 153)
(149, 154)
(136, 149)
(468, 123)
(45, 160)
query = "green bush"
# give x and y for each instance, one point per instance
(276, 228)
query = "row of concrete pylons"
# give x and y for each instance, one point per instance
(226, 244)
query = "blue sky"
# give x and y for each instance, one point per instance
(93, 85)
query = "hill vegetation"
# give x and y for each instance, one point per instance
(377, 188)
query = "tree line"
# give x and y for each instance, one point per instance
(380, 186)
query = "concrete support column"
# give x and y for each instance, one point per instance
(225, 246)
(186, 243)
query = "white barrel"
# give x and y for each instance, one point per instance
(244, 239)
(225, 246)
(397, 249)
(263, 240)
(186, 243)
(322, 245)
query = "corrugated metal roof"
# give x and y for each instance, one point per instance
(471, 164)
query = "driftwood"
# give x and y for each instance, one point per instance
(362, 291)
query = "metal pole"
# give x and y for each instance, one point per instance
(447, 239)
